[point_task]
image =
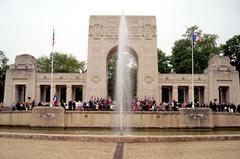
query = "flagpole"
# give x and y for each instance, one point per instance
(192, 74)
(53, 42)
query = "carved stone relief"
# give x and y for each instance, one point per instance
(95, 79)
(148, 79)
(96, 31)
(148, 31)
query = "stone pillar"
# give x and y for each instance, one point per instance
(185, 94)
(23, 93)
(170, 94)
(160, 94)
(69, 93)
(14, 94)
(205, 95)
(190, 93)
(58, 93)
(38, 94)
(73, 93)
(83, 93)
(229, 97)
(175, 93)
(185, 90)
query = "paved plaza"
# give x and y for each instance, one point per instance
(45, 149)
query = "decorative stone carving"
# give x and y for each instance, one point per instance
(47, 115)
(196, 116)
(21, 74)
(95, 79)
(148, 31)
(96, 31)
(148, 79)
(111, 29)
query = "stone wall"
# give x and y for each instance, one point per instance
(110, 119)
(15, 118)
(47, 117)
(226, 119)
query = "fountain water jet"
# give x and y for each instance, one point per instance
(123, 88)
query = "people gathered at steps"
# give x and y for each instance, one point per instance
(145, 104)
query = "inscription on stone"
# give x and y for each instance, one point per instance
(196, 116)
(21, 73)
(47, 115)
(111, 30)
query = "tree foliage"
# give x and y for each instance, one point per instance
(232, 50)
(163, 62)
(181, 59)
(112, 71)
(3, 69)
(112, 68)
(62, 63)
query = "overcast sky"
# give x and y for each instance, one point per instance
(26, 25)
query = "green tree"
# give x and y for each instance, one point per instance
(112, 67)
(62, 62)
(3, 69)
(181, 59)
(163, 62)
(232, 50)
(111, 76)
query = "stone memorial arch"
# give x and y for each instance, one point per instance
(103, 41)
(25, 82)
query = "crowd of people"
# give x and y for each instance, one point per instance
(224, 107)
(24, 105)
(145, 104)
(94, 104)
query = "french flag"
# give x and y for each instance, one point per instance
(195, 37)
(55, 100)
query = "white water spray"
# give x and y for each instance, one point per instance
(123, 93)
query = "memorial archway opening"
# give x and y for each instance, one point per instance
(132, 64)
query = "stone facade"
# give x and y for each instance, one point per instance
(103, 42)
(220, 81)
(25, 83)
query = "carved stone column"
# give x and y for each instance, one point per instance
(69, 93)
(190, 92)
(175, 93)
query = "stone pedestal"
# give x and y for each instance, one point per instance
(47, 117)
(196, 118)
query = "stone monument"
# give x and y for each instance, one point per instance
(103, 42)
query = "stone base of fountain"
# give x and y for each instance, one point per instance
(119, 138)
(196, 118)
(184, 118)
(47, 117)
